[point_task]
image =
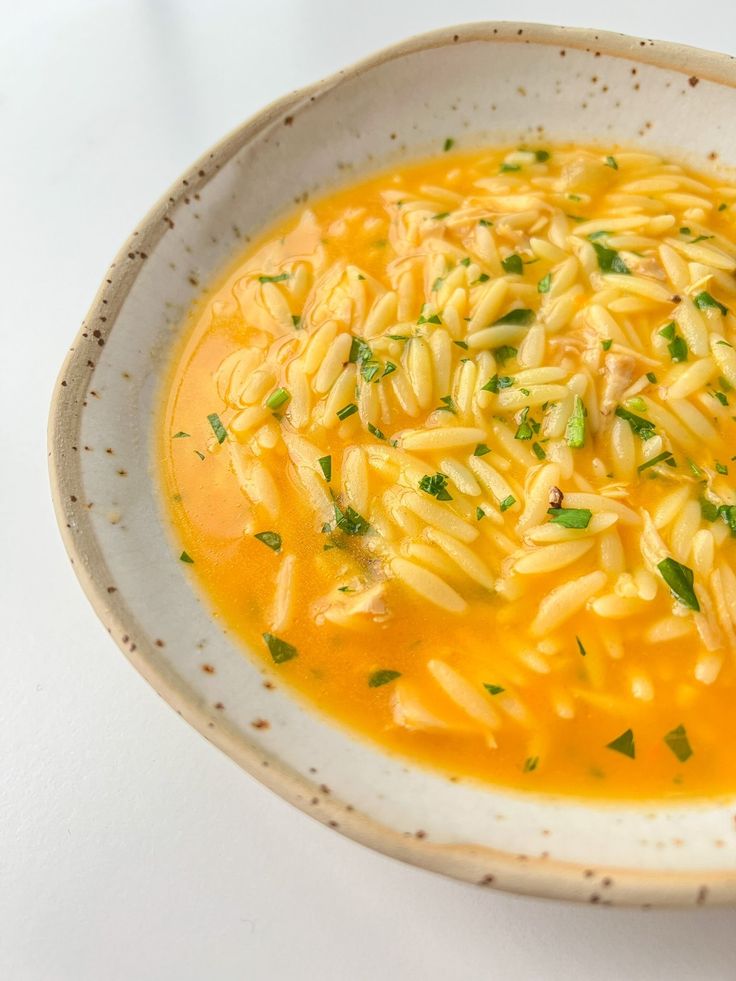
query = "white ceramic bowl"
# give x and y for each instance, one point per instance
(476, 83)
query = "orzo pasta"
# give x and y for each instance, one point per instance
(454, 449)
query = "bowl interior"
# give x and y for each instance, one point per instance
(483, 83)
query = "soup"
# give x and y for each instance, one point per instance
(453, 449)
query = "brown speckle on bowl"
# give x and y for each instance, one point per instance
(487, 880)
(701, 896)
(261, 724)
(159, 643)
(693, 80)
(208, 668)
(288, 120)
(112, 589)
(219, 706)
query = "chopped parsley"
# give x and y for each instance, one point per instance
(350, 521)
(530, 764)
(676, 346)
(217, 427)
(505, 353)
(513, 264)
(680, 580)
(278, 398)
(538, 451)
(606, 345)
(677, 741)
(448, 144)
(279, 649)
(436, 486)
(448, 404)
(375, 431)
(485, 223)
(273, 279)
(493, 689)
(509, 168)
(611, 162)
(506, 503)
(481, 450)
(483, 278)
(704, 301)
(462, 344)
(180, 435)
(479, 514)
(542, 156)
(325, 463)
(347, 410)
(544, 283)
(497, 382)
(359, 351)
(651, 378)
(609, 261)
(186, 557)
(721, 468)
(270, 538)
(296, 320)
(382, 677)
(575, 429)
(525, 430)
(520, 317)
(582, 650)
(570, 517)
(624, 744)
(441, 216)
(708, 510)
(389, 369)
(643, 428)
(664, 457)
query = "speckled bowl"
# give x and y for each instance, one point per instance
(479, 82)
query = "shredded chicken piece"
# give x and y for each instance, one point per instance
(618, 372)
(340, 607)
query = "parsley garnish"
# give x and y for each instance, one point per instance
(570, 517)
(611, 162)
(664, 457)
(530, 764)
(538, 451)
(624, 744)
(680, 580)
(436, 486)
(325, 463)
(347, 410)
(505, 352)
(448, 406)
(509, 168)
(493, 689)
(270, 538)
(606, 345)
(217, 427)
(704, 300)
(544, 283)
(582, 650)
(479, 514)
(359, 351)
(525, 430)
(180, 435)
(448, 144)
(519, 317)
(575, 429)
(481, 450)
(643, 428)
(676, 740)
(186, 557)
(273, 279)
(609, 261)
(296, 320)
(513, 264)
(375, 431)
(506, 503)
(721, 468)
(350, 521)
(279, 649)
(390, 367)
(276, 399)
(651, 378)
(383, 677)
(462, 344)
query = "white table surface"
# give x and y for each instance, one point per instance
(129, 847)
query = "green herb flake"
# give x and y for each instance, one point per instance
(350, 521)
(375, 431)
(684, 230)
(542, 156)
(441, 216)
(611, 162)
(448, 144)
(596, 235)
(465, 262)
(217, 427)
(278, 398)
(382, 677)
(186, 557)
(481, 450)
(273, 279)
(530, 764)
(538, 451)
(493, 689)
(570, 517)
(609, 261)
(513, 264)
(479, 514)
(296, 321)
(606, 345)
(696, 469)
(624, 744)
(643, 428)
(509, 168)
(721, 468)
(722, 206)
(663, 457)
(575, 429)
(677, 741)
(582, 650)
(433, 319)
(436, 486)
(505, 353)
(325, 463)
(359, 351)
(520, 317)
(678, 349)
(506, 503)
(728, 514)
(200, 455)
(180, 435)
(347, 410)
(680, 580)
(708, 510)
(721, 397)
(483, 278)
(398, 337)
(462, 344)
(389, 369)
(704, 301)
(279, 649)
(485, 223)
(544, 283)
(448, 405)
(651, 378)
(525, 430)
(272, 539)
(637, 403)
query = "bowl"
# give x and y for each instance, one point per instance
(475, 83)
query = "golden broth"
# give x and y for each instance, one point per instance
(395, 385)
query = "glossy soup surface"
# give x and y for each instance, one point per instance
(480, 412)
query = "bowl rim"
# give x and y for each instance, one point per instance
(546, 877)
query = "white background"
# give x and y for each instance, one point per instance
(129, 847)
